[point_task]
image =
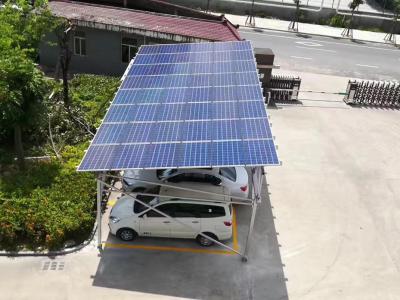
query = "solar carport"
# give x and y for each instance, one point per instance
(186, 106)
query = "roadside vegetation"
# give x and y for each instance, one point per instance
(44, 202)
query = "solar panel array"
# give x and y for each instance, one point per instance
(186, 105)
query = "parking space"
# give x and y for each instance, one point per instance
(181, 268)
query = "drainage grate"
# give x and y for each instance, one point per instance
(53, 266)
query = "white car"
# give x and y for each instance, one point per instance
(129, 218)
(235, 179)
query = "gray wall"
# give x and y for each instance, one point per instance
(103, 52)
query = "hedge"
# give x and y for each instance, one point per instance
(47, 204)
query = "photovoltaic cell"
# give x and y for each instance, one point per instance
(185, 105)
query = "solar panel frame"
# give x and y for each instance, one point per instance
(185, 106)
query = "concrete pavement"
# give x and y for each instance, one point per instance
(336, 197)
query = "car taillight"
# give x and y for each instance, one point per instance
(228, 223)
(243, 188)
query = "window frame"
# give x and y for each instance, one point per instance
(80, 37)
(130, 57)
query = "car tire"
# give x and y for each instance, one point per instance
(126, 234)
(203, 241)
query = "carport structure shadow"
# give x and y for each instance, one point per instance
(203, 275)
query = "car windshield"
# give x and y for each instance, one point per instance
(229, 173)
(164, 173)
(149, 200)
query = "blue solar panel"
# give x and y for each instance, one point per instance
(186, 105)
(193, 68)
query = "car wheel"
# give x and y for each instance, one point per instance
(205, 242)
(126, 234)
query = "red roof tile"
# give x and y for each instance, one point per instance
(183, 26)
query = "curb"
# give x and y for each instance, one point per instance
(318, 34)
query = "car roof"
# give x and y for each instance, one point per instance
(174, 193)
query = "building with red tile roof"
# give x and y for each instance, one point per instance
(104, 38)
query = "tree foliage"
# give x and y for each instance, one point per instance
(22, 85)
(354, 4)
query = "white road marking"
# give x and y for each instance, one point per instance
(310, 44)
(301, 57)
(315, 49)
(326, 42)
(367, 66)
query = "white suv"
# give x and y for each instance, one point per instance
(235, 179)
(129, 218)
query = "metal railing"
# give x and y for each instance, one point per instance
(373, 93)
(283, 88)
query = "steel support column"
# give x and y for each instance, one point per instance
(100, 179)
(256, 178)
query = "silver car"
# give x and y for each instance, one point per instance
(234, 179)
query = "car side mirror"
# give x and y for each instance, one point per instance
(144, 216)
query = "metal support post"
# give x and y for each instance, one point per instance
(253, 216)
(256, 179)
(100, 179)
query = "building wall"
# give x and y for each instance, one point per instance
(103, 52)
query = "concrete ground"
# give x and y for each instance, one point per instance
(331, 229)
(336, 197)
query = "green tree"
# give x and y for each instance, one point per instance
(22, 85)
(353, 5)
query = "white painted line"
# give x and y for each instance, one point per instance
(310, 44)
(367, 66)
(301, 57)
(315, 49)
(326, 42)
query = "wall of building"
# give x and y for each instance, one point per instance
(103, 52)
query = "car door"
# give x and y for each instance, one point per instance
(188, 224)
(155, 224)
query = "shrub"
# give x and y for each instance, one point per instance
(53, 203)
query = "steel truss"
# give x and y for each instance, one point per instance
(257, 175)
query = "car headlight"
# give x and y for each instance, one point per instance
(114, 219)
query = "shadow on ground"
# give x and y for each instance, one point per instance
(202, 275)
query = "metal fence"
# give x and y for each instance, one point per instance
(373, 93)
(283, 88)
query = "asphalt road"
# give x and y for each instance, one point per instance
(328, 55)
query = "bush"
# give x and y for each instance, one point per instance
(92, 94)
(51, 204)
(338, 21)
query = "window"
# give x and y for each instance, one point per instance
(79, 43)
(168, 209)
(164, 173)
(229, 173)
(195, 177)
(211, 211)
(139, 207)
(129, 49)
(186, 210)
